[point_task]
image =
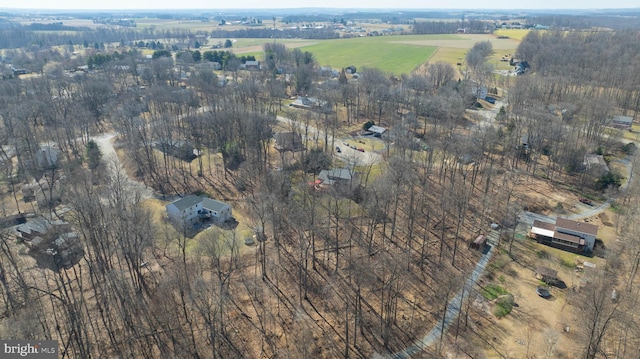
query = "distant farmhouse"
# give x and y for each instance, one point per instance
(193, 210)
(250, 65)
(578, 237)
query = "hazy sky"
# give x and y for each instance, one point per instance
(277, 4)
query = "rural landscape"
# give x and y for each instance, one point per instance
(321, 184)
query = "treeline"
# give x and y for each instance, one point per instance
(596, 64)
(615, 22)
(54, 26)
(451, 27)
(281, 34)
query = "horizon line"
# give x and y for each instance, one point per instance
(3, 9)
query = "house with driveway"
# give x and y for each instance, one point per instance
(578, 237)
(192, 210)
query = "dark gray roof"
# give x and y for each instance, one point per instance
(38, 224)
(213, 205)
(335, 174)
(186, 202)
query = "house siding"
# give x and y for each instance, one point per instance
(189, 215)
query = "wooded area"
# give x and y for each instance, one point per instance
(337, 272)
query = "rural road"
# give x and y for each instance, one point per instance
(452, 311)
(114, 165)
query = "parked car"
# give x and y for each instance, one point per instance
(543, 292)
(494, 226)
(490, 100)
(586, 201)
(338, 149)
(360, 149)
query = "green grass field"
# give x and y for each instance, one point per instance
(371, 52)
(395, 54)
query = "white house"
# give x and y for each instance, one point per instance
(192, 209)
(185, 210)
(217, 210)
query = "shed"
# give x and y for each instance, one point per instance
(479, 243)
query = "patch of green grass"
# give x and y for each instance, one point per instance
(568, 263)
(493, 291)
(258, 55)
(370, 52)
(502, 308)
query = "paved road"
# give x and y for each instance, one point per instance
(115, 166)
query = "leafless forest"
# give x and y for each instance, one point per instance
(341, 272)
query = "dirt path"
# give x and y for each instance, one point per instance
(452, 311)
(114, 165)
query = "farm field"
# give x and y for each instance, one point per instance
(515, 34)
(395, 54)
(371, 52)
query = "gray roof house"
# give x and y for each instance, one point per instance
(336, 175)
(41, 227)
(192, 209)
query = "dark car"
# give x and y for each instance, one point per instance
(490, 100)
(586, 201)
(543, 292)
(338, 149)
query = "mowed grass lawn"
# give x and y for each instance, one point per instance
(378, 52)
